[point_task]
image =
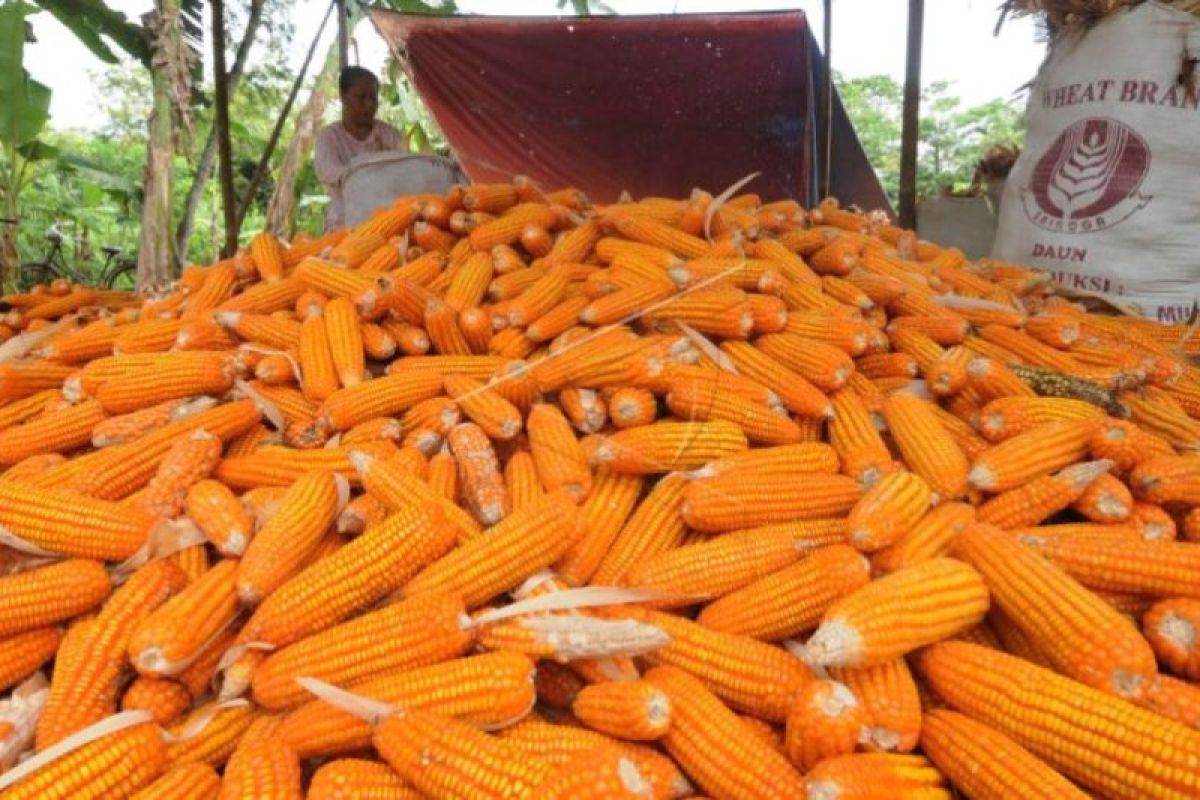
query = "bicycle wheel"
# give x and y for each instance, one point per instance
(127, 271)
(35, 272)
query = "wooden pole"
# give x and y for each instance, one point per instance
(909, 133)
(265, 161)
(827, 178)
(224, 146)
(343, 35)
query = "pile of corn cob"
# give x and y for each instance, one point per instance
(503, 495)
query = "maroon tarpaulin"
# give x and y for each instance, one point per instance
(656, 105)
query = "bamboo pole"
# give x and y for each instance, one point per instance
(224, 146)
(912, 114)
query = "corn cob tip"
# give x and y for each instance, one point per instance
(981, 477)
(227, 319)
(836, 643)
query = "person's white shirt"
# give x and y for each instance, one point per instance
(336, 151)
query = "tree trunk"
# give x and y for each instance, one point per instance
(281, 210)
(204, 167)
(155, 256)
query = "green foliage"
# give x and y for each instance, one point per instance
(952, 137)
(24, 103)
(95, 24)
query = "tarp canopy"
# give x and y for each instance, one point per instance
(655, 105)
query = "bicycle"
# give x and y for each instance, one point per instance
(53, 265)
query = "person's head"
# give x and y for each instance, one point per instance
(359, 89)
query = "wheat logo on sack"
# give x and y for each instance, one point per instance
(1088, 179)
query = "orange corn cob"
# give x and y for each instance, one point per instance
(520, 477)
(723, 564)
(190, 781)
(267, 256)
(173, 375)
(20, 380)
(864, 456)
(498, 418)
(791, 600)
(1023, 701)
(899, 613)
(1006, 417)
(191, 458)
(926, 445)
(63, 523)
(262, 767)
(605, 510)
(262, 329)
(930, 537)
(276, 552)
(220, 515)
(394, 484)
(718, 312)
(654, 527)
(22, 653)
(1126, 444)
(30, 467)
(470, 282)
(165, 699)
(58, 431)
(412, 633)
(75, 586)
(443, 475)
(359, 779)
(476, 328)
(1171, 628)
(559, 459)
(584, 408)
(776, 497)
(1123, 563)
(692, 399)
(479, 473)
(215, 741)
(116, 765)
(991, 379)
(668, 446)
(826, 721)
(167, 641)
(344, 332)
(635, 710)
(1106, 499)
(524, 542)
(382, 397)
(1040, 450)
(987, 763)
(889, 695)
(705, 734)
(558, 319)
(352, 578)
(1042, 497)
(15, 412)
(89, 669)
(888, 511)
(1079, 633)
(630, 407)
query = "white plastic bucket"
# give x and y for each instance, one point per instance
(375, 180)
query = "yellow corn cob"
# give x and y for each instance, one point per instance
(277, 551)
(20, 380)
(191, 781)
(191, 458)
(629, 407)
(483, 485)
(826, 721)
(605, 510)
(520, 478)
(88, 672)
(165, 699)
(483, 406)
(1080, 634)
(1040, 450)
(930, 537)
(344, 333)
(168, 640)
(489, 691)
(1098, 740)
(443, 475)
(470, 282)
(864, 456)
(558, 319)
(115, 765)
(411, 633)
(352, 578)
(73, 587)
(267, 256)
(523, 543)
(63, 523)
(262, 329)
(1167, 479)
(899, 613)
(705, 734)
(173, 375)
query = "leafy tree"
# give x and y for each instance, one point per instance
(952, 137)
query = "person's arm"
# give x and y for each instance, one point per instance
(327, 162)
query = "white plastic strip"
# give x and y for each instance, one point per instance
(268, 409)
(364, 708)
(721, 199)
(584, 597)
